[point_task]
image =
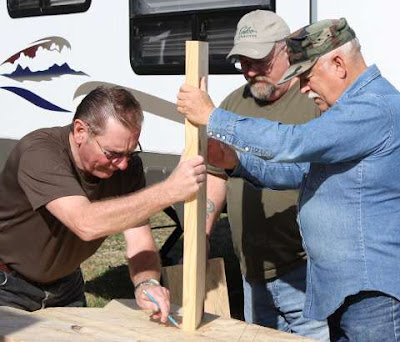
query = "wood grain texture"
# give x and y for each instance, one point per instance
(122, 321)
(194, 250)
(216, 294)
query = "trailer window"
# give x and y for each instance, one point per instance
(159, 29)
(162, 6)
(30, 8)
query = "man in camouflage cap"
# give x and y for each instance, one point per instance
(265, 234)
(306, 45)
(343, 163)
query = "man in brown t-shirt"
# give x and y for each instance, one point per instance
(64, 189)
(265, 234)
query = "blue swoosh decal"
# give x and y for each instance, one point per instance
(35, 99)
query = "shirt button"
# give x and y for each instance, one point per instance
(247, 149)
(218, 135)
(210, 134)
(223, 137)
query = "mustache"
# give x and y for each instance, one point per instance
(313, 95)
(258, 79)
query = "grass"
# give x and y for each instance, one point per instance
(107, 276)
(106, 272)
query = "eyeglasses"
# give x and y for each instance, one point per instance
(117, 157)
(113, 156)
(264, 64)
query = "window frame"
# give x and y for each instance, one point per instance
(45, 9)
(197, 18)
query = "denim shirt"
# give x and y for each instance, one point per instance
(349, 207)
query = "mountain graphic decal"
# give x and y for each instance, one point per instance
(48, 43)
(21, 73)
(35, 99)
(43, 60)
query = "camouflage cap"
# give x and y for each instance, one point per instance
(256, 34)
(309, 43)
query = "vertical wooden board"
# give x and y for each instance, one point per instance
(216, 294)
(217, 298)
(195, 209)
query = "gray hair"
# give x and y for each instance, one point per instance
(352, 49)
(103, 103)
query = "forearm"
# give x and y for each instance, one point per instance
(143, 267)
(92, 220)
(327, 139)
(265, 174)
(142, 256)
(216, 195)
(115, 215)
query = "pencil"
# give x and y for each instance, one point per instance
(171, 319)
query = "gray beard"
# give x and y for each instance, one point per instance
(262, 91)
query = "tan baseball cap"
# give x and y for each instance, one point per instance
(256, 34)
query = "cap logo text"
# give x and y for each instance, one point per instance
(247, 32)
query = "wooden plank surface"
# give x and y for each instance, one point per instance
(194, 249)
(216, 293)
(122, 321)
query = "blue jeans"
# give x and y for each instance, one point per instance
(17, 292)
(368, 316)
(278, 304)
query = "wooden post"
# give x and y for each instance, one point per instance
(216, 299)
(194, 250)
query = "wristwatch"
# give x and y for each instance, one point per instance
(149, 281)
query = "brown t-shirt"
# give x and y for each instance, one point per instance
(40, 169)
(265, 234)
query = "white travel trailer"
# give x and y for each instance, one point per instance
(55, 51)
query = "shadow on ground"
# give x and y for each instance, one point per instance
(220, 246)
(115, 282)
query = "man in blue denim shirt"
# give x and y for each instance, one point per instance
(349, 208)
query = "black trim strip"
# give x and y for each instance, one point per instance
(45, 9)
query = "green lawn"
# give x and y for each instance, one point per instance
(106, 273)
(107, 277)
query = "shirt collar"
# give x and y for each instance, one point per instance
(370, 74)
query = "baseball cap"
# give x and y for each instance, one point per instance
(309, 43)
(256, 34)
